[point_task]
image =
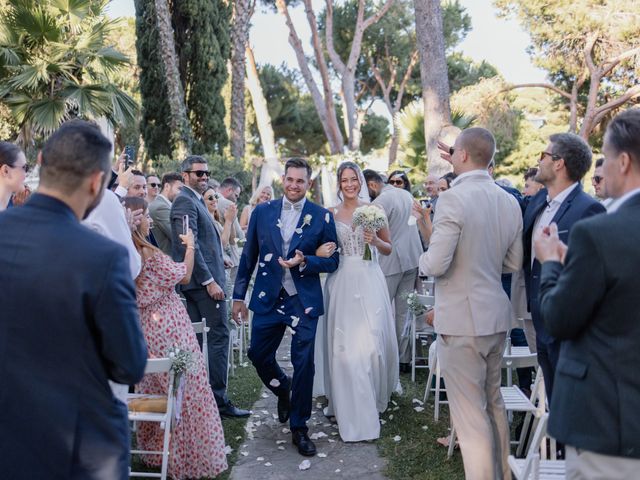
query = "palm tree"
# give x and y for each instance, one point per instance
(410, 124)
(54, 65)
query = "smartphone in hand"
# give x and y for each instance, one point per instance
(185, 224)
(129, 156)
(424, 203)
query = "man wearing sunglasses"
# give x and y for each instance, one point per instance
(561, 167)
(598, 183)
(205, 292)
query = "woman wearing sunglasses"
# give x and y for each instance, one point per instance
(224, 226)
(13, 171)
(399, 179)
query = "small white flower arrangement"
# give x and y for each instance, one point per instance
(181, 361)
(369, 218)
(414, 304)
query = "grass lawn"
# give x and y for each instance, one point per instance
(417, 456)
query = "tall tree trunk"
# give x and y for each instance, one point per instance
(180, 127)
(395, 143)
(271, 168)
(435, 83)
(239, 38)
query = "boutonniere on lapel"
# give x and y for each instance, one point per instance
(305, 222)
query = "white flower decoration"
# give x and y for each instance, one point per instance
(299, 231)
(327, 217)
(295, 321)
(268, 257)
(307, 219)
(261, 294)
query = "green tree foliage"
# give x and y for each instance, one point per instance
(463, 71)
(294, 118)
(590, 49)
(493, 111)
(201, 29)
(55, 63)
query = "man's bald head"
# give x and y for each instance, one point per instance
(479, 145)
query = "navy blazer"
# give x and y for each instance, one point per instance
(68, 324)
(264, 246)
(592, 306)
(576, 206)
(208, 261)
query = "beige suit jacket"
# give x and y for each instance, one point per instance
(405, 240)
(477, 235)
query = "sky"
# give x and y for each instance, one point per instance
(501, 42)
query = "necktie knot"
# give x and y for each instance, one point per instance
(291, 206)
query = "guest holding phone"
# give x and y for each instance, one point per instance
(197, 447)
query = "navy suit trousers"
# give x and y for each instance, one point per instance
(266, 335)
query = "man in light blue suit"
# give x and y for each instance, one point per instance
(282, 239)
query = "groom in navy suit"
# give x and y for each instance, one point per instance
(282, 238)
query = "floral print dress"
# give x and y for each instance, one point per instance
(197, 447)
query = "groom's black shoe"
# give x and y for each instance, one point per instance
(305, 446)
(284, 404)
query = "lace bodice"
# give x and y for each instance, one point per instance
(351, 242)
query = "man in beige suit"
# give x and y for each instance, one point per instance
(477, 235)
(401, 267)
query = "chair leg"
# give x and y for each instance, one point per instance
(413, 347)
(427, 389)
(165, 452)
(436, 409)
(452, 441)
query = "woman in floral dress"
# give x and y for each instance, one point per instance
(197, 447)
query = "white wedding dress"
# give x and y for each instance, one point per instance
(360, 351)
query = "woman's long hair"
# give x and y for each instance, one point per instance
(137, 203)
(256, 195)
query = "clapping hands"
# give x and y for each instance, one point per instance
(549, 247)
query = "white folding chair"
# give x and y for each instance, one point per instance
(202, 329)
(515, 401)
(418, 336)
(532, 467)
(434, 373)
(165, 419)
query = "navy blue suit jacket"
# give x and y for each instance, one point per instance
(68, 324)
(576, 206)
(264, 246)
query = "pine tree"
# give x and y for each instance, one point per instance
(201, 29)
(154, 124)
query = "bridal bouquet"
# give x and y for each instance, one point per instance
(369, 218)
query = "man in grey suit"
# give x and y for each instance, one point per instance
(476, 237)
(204, 293)
(160, 210)
(401, 267)
(589, 300)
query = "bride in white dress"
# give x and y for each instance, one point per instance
(360, 349)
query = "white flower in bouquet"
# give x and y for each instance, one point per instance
(181, 361)
(369, 218)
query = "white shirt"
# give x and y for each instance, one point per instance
(618, 202)
(108, 219)
(544, 219)
(288, 221)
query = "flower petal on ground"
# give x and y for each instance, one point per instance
(274, 382)
(305, 465)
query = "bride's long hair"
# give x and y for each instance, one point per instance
(363, 194)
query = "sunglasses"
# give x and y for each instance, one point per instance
(396, 182)
(451, 150)
(25, 167)
(553, 156)
(199, 173)
(597, 178)
(211, 198)
(154, 185)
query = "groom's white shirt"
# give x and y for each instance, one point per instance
(289, 219)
